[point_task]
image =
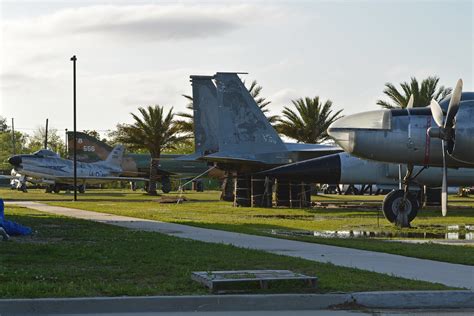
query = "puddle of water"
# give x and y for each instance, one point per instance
(455, 232)
(284, 216)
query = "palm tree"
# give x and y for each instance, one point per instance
(310, 121)
(153, 131)
(262, 103)
(187, 125)
(422, 95)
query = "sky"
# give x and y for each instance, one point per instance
(139, 53)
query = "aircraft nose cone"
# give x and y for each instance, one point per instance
(15, 160)
(348, 131)
(343, 133)
(325, 169)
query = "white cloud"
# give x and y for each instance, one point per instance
(144, 22)
(283, 97)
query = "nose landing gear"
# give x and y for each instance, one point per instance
(401, 206)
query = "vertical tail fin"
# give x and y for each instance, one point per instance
(243, 128)
(115, 157)
(205, 115)
(88, 148)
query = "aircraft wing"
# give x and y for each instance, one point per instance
(191, 157)
(232, 158)
(163, 172)
(93, 178)
(313, 147)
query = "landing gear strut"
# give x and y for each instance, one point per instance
(401, 206)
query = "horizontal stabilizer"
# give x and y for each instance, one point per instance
(302, 147)
(232, 158)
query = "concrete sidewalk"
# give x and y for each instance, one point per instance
(455, 275)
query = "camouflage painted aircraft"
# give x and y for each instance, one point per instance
(232, 131)
(45, 166)
(90, 149)
(439, 135)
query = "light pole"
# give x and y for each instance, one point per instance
(73, 58)
(13, 136)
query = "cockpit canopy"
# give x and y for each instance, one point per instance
(465, 96)
(45, 153)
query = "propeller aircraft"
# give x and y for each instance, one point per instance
(438, 135)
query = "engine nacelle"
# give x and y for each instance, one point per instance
(463, 146)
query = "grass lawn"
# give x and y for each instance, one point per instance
(68, 257)
(204, 210)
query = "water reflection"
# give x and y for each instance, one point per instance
(455, 232)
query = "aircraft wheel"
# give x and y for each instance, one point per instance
(49, 189)
(199, 186)
(82, 189)
(56, 189)
(392, 204)
(166, 185)
(23, 188)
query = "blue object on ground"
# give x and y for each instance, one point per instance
(12, 228)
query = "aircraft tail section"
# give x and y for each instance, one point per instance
(243, 128)
(205, 115)
(115, 157)
(88, 148)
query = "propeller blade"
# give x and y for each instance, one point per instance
(453, 105)
(410, 102)
(444, 186)
(437, 112)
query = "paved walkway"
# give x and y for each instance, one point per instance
(455, 275)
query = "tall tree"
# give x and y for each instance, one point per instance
(186, 125)
(262, 103)
(154, 131)
(254, 89)
(3, 124)
(6, 147)
(55, 142)
(309, 122)
(422, 94)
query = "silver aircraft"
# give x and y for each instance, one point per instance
(45, 166)
(439, 135)
(344, 168)
(226, 137)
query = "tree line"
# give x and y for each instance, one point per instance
(155, 130)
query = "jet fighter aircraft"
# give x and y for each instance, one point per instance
(230, 128)
(232, 133)
(414, 136)
(45, 166)
(89, 149)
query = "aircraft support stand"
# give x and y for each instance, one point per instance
(227, 189)
(261, 191)
(293, 194)
(242, 190)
